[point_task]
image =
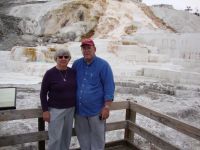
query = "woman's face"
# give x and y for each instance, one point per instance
(62, 61)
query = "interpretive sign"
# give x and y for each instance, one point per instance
(7, 98)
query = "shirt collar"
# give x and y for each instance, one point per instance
(93, 60)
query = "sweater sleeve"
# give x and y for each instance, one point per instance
(44, 91)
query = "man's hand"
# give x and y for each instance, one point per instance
(46, 116)
(105, 112)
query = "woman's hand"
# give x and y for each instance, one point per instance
(46, 116)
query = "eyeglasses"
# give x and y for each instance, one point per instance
(60, 57)
(86, 47)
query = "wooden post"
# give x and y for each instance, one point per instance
(41, 127)
(131, 116)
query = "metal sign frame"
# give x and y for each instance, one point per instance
(8, 95)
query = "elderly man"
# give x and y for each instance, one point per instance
(95, 94)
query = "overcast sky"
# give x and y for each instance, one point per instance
(178, 4)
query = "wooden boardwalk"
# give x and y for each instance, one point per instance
(129, 125)
(120, 147)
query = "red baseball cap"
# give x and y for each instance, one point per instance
(87, 42)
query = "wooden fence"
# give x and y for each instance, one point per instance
(128, 124)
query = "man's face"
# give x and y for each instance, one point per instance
(88, 52)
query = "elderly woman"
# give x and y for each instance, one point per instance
(58, 94)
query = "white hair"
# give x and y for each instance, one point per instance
(61, 52)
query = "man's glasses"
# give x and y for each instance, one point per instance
(86, 47)
(60, 57)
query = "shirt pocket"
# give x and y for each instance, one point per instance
(94, 79)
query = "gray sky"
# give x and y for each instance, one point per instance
(178, 4)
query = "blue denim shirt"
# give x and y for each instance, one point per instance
(95, 85)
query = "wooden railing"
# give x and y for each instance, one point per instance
(128, 124)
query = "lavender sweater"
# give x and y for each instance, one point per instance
(57, 93)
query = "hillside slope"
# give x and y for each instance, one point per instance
(60, 21)
(181, 21)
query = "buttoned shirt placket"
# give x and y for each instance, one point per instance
(85, 80)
